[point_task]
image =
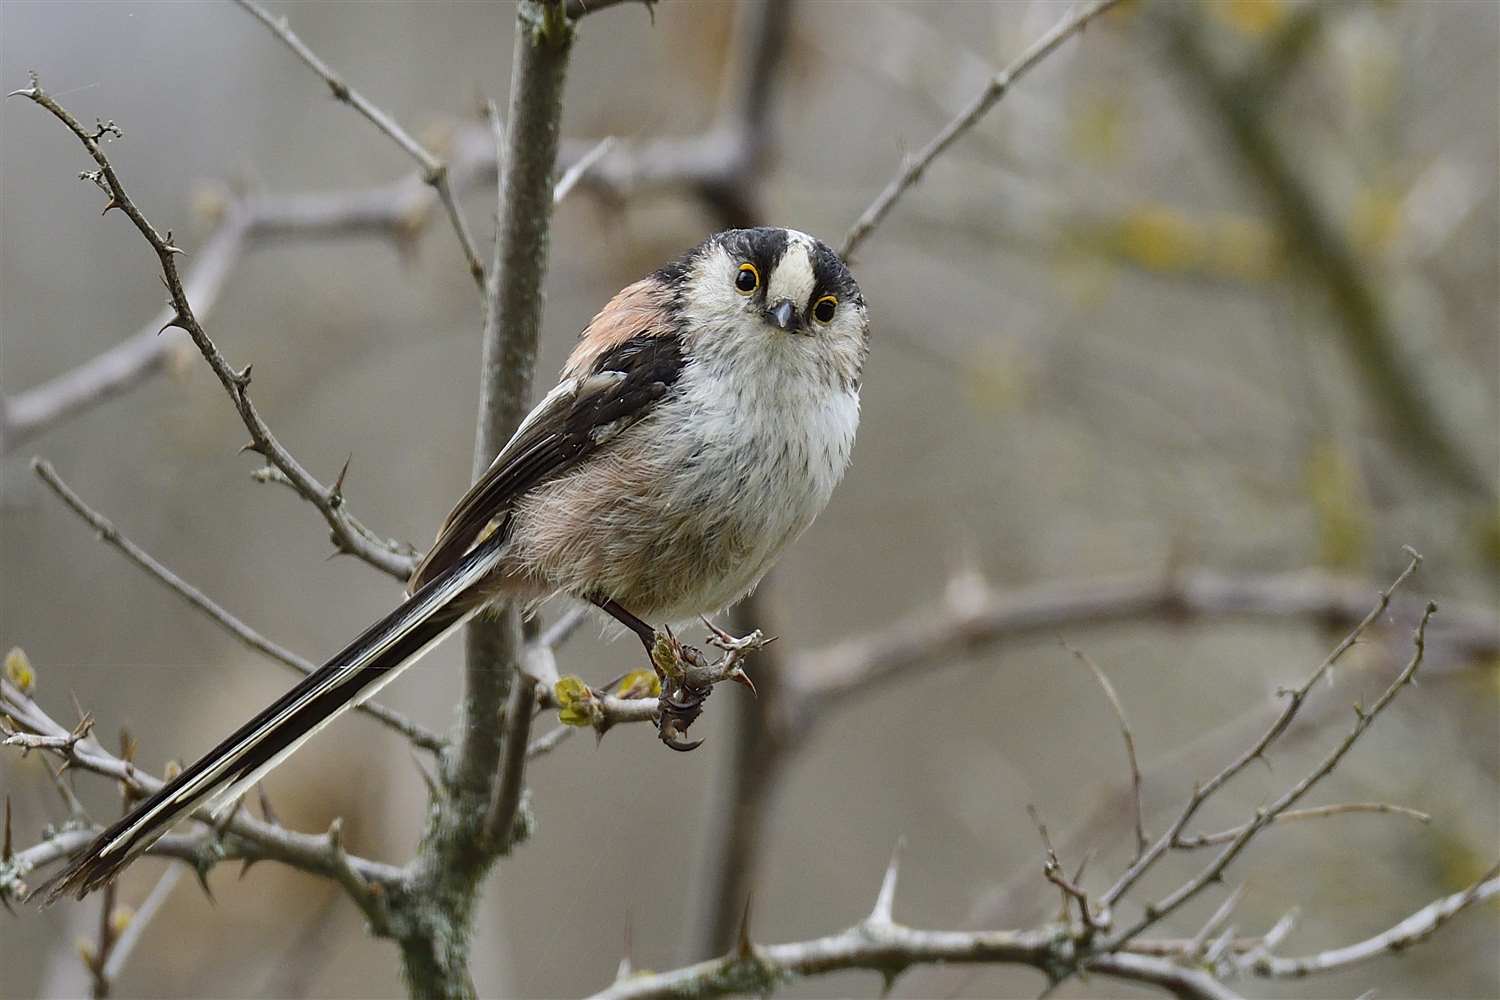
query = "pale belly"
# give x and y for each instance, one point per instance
(674, 526)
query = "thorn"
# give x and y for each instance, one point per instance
(251, 446)
(176, 321)
(200, 870)
(886, 898)
(266, 812)
(744, 948)
(241, 378)
(170, 247)
(888, 979)
(627, 955)
(127, 746)
(112, 203)
(336, 495)
(739, 676)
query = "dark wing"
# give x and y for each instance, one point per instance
(580, 415)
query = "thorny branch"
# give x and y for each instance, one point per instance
(237, 836)
(716, 167)
(1195, 967)
(1294, 700)
(349, 535)
(434, 170)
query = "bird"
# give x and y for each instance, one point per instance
(699, 426)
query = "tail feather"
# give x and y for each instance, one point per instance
(355, 673)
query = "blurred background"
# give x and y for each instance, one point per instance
(1138, 319)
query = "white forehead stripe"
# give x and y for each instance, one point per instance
(793, 277)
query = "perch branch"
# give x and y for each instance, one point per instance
(434, 170)
(107, 532)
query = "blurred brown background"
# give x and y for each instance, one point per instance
(1092, 354)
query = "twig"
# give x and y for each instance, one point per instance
(1191, 841)
(1415, 928)
(1141, 840)
(500, 827)
(976, 618)
(349, 534)
(418, 735)
(135, 928)
(997, 88)
(434, 170)
(127, 364)
(580, 168)
(1294, 700)
(241, 836)
(1267, 814)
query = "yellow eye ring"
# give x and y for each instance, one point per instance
(747, 280)
(823, 308)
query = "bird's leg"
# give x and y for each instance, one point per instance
(680, 703)
(644, 632)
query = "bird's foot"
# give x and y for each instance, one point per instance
(687, 678)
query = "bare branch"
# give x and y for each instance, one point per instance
(997, 88)
(1294, 700)
(456, 849)
(1190, 841)
(891, 948)
(128, 363)
(1267, 814)
(1418, 927)
(239, 836)
(349, 534)
(136, 926)
(576, 172)
(434, 170)
(1141, 840)
(107, 532)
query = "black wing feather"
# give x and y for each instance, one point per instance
(620, 389)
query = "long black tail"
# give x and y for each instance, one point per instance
(219, 777)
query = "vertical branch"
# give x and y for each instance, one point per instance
(733, 847)
(455, 853)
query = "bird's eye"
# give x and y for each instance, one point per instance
(823, 309)
(748, 280)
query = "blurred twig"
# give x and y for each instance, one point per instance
(416, 734)
(434, 170)
(995, 89)
(1371, 336)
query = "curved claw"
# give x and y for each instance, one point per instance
(680, 745)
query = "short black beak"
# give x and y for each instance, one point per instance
(784, 315)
